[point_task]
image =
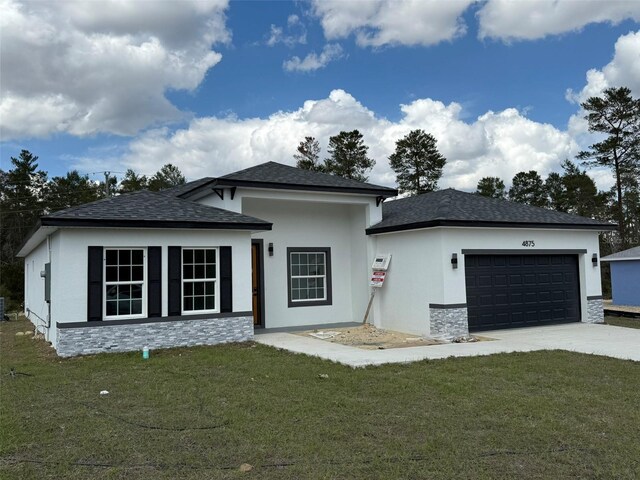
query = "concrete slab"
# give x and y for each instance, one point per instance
(606, 340)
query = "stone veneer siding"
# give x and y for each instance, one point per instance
(595, 310)
(448, 322)
(87, 340)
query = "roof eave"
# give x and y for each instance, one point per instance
(225, 182)
(121, 223)
(619, 259)
(35, 237)
(479, 224)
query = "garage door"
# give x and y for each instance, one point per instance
(506, 291)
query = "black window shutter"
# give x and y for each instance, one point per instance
(154, 274)
(226, 292)
(175, 279)
(94, 285)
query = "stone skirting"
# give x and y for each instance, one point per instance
(595, 310)
(87, 340)
(448, 321)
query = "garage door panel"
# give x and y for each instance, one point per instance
(505, 291)
(544, 279)
(515, 279)
(544, 297)
(501, 299)
(500, 280)
(483, 262)
(516, 297)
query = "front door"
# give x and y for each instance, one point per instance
(257, 283)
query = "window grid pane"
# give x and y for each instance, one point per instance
(124, 281)
(199, 279)
(307, 272)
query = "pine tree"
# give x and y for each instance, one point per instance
(308, 155)
(348, 156)
(168, 176)
(528, 188)
(71, 190)
(616, 114)
(132, 182)
(417, 163)
(492, 187)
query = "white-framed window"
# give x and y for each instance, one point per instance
(309, 276)
(200, 286)
(125, 282)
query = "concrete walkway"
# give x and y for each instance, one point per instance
(606, 340)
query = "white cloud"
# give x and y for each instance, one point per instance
(293, 20)
(275, 35)
(376, 23)
(622, 71)
(532, 19)
(313, 61)
(296, 33)
(494, 144)
(103, 66)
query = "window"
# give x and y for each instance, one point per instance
(309, 276)
(199, 280)
(124, 282)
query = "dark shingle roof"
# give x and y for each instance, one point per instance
(187, 187)
(146, 209)
(278, 176)
(454, 208)
(629, 254)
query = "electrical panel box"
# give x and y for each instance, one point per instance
(46, 274)
(381, 262)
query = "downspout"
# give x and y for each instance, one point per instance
(49, 302)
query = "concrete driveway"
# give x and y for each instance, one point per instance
(615, 342)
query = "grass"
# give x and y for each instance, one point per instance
(202, 412)
(622, 321)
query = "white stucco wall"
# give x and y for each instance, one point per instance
(413, 278)
(34, 288)
(313, 224)
(420, 272)
(69, 281)
(372, 212)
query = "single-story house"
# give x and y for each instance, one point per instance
(275, 246)
(625, 276)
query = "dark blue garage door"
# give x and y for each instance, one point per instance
(506, 291)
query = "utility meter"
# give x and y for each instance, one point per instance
(381, 262)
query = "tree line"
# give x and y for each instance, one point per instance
(26, 193)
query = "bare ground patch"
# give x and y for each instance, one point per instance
(369, 337)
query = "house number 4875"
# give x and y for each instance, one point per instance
(528, 243)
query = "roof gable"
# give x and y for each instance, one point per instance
(274, 175)
(454, 208)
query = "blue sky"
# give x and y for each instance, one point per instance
(214, 87)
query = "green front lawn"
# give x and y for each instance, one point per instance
(202, 412)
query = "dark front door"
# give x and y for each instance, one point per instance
(257, 282)
(505, 291)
